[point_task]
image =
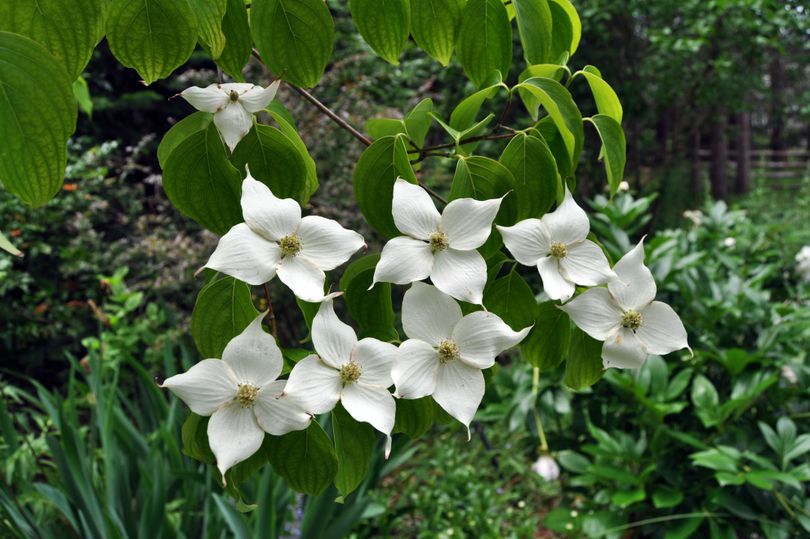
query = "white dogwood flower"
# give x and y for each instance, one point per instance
(356, 373)
(557, 245)
(625, 316)
(241, 394)
(446, 352)
(440, 246)
(274, 239)
(233, 105)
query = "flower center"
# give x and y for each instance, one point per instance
(234, 96)
(448, 351)
(558, 250)
(246, 394)
(350, 372)
(438, 241)
(290, 245)
(631, 319)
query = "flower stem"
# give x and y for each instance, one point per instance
(538, 423)
(270, 314)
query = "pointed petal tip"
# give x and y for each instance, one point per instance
(469, 434)
(388, 442)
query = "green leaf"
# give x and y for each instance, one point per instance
(484, 42)
(151, 36)
(683, 529)
(548, 342)
(238, 43)
(706, 401)
(464, 115)
(68, 29)
(566, 30)
(626, 498)
(201, 182)
(435, 24)
(354, 442)
(193, 123)
(374, 177)
(584, 365)
(209, 14)
(534, 25)
(287, 127)
(194, 435)
(82, 95)
(481, 178)
(665, 497)
(384, 24)
(716, 459)
(548, 71)
(8, 247)
(512, 299)
(294, 38)
(532, 164)
(414, 417)
(418, 121)
(37, 116)
(223, 309)
(614, 148)
(371, 309)
(607, 102)
(305, 459)
(613, 473)
(378, 128)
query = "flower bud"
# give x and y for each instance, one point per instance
(546, 468)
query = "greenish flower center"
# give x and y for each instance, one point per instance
(234, 96)
(246, 394)
(290, 245)
(631, 319)
(558, 250)
(438, 241)
(350, 372)
(448, 351)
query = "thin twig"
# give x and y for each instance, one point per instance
(270, 314)
(434, 194)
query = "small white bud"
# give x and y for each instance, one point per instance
(730, 242)
(624, 186)
(547, 468)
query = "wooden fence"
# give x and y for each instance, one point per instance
(777, 169)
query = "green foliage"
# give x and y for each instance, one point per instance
(384, 25)
(238, 44)
(484, 44)
(534, 22)
(305, 459)
(434, 25)
(223, 310)
(210, 14)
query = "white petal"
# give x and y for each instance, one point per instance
(527, 240)
(414, 213)
(234, 435)
(266, 214)
(595, 313)
(243, 254)
(555, 284)
(375, 359)
(568, 223)
(233, 123)
(416, 370)
(334, 341)
(314, 385)
(404, 260)
(208, 99)
(462, 274)
(459, 391)
(257, 98)
(428, 314)
(482, 335)
(204, 387)
(623, 351)
(661, 330)
(327, 244)
(468, 222)
(279, 414)
(370, 404)
(635, 286)
(253, 355)
(586, 264)
(303, 277)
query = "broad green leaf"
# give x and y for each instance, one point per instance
(532, 164)
(384, 24)
(614, 148)
(285, 124)
(68, 29)
(566, 30)
(238, 43)
(435, 24)
(374, 177)
(378, 128)
(371, 309)
(305, 459)
(684, 528)
(463, 116)
(201, 183)
(548, 342)
(717, 459)
(354, 442)
(154, 37)
(414, 417)
(548, 71)
(193, 123)
(209, 14)
(626, 498)
(607, 102)
(418, 120)
(583, 367)
(223, 309)
(294, 38)
(37, 115)
(82, 95)
(548, 132)
(665, 497)
(8, 247)
(534, 25)
(484, 42)
(194, 435)
(706, 401)
(512, 299)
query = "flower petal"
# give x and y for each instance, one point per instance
(482, 335)
(253, 355)
(233, 123)
(635, 286)
(239, 87)
(267, 215)
(204, 387)
(661, 330)
(404, 260)
(303, 277)
(623, 351)
(279, 414)
(568, 223)
(527, 240)
(243, 254)
(257, 98)
(334, 340)
(370, 404)
(429, 314)
(327, 244)
(596, 313)
(416, 370)
(375, 358)
(314, 385)
(414, 213)
(586, 264)
(459, 391)
(555, 284)
(234, 435)
(208, 99)
(468, 222)
(462, 274)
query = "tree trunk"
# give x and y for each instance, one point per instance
(743, 145)
(695, 168)
(777, 104)
(718, 172)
